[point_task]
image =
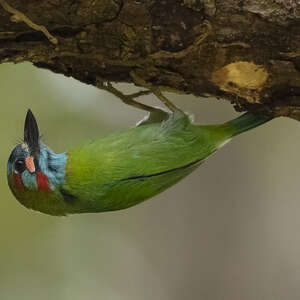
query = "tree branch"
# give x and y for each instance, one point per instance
(247, 52)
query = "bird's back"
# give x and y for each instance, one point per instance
(124, 169)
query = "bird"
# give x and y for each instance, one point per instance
(119, 170)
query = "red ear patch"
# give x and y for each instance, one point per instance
(42, 182)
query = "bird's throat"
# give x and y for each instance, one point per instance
(18, 182)
(42, 182)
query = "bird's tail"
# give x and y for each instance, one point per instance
(246, 122)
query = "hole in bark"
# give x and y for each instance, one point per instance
(66, 31)
(32, 36)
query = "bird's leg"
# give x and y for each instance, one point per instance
(155, 114)
(155, 90)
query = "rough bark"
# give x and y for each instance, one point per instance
(245, 51)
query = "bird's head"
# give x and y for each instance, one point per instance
(34, 170)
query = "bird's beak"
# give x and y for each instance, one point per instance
(29, 161)
(31, 133)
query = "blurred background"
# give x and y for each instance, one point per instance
(229, 231)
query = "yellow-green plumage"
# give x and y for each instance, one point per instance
(124, 169)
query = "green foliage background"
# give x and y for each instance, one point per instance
(229, 231)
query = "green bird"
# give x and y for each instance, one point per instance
(119, 170)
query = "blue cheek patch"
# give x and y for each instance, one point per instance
(29, 180)
(53, 166)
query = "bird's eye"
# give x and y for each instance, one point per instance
(20, 165)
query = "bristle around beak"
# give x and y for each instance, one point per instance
(31, 133)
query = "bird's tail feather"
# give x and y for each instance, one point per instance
(246, 122)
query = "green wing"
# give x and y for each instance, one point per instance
(124, 169)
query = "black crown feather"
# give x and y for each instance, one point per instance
(31, 133)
